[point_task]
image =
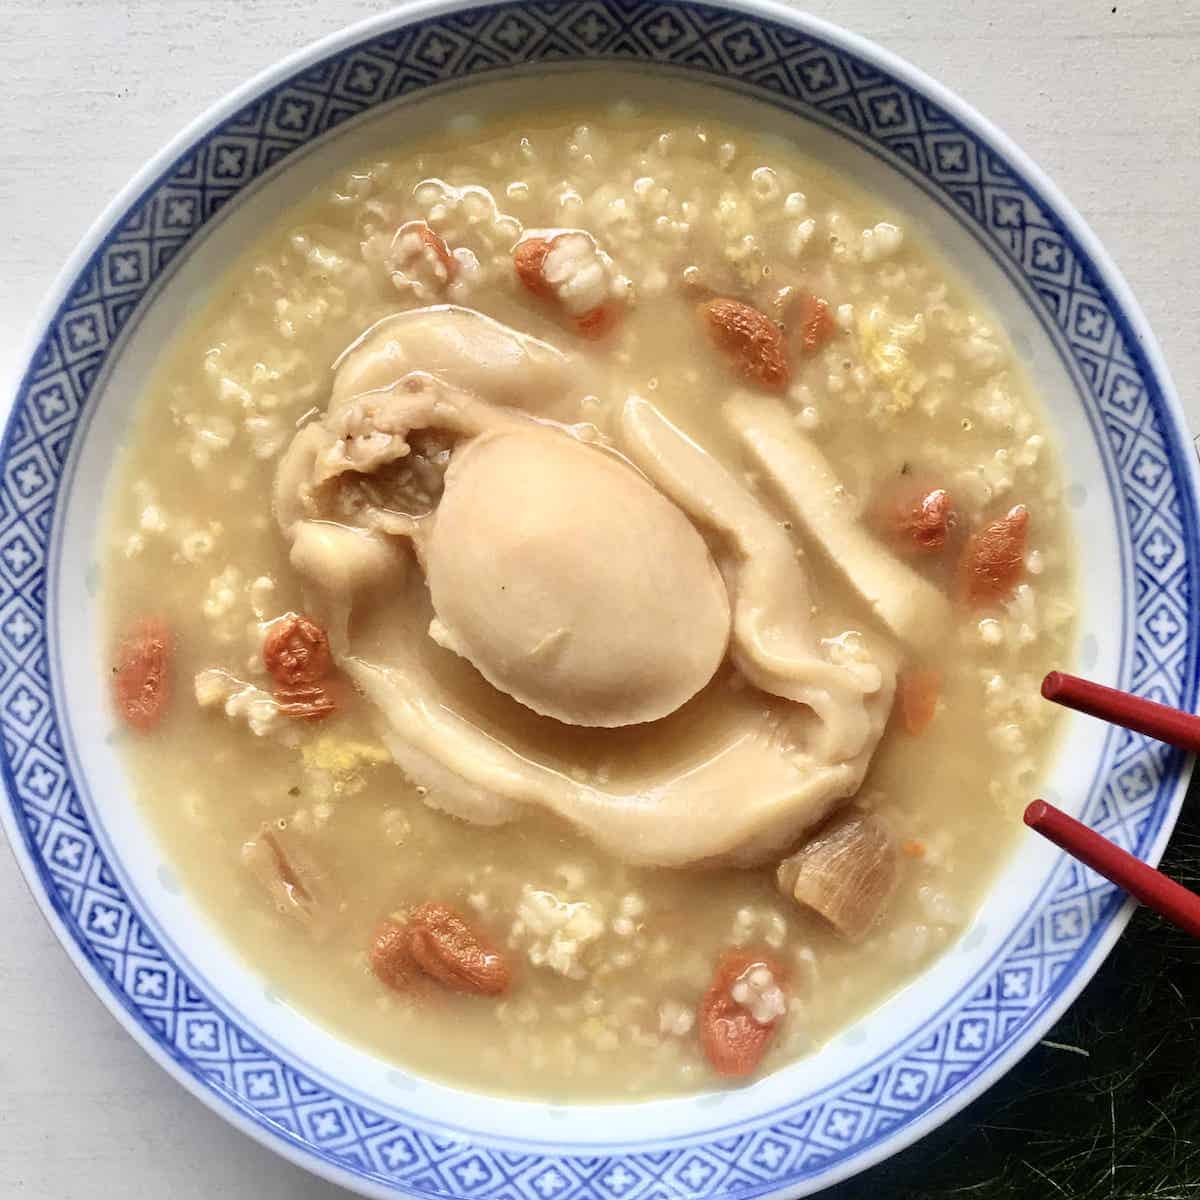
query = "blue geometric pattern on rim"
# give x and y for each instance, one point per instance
(790, 1146)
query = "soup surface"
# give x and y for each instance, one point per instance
(551, 528)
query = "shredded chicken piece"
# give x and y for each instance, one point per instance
(909, 605)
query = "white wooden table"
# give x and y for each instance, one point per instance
(1103, 97)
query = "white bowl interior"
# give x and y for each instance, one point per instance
(198, 946)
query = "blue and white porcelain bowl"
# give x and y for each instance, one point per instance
(97, 872)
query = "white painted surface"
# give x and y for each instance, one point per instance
(1103, 100)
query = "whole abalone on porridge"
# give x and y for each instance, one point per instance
(576, 598)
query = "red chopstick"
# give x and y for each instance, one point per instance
(1151, 887)
(1168, 725)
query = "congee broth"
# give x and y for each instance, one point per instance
(576, 599)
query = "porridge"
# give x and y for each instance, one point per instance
(577, 598)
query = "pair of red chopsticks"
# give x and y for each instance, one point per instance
(1151, 887)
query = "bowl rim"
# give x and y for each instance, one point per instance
(415, 12)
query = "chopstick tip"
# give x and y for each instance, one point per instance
(1052, 685)
(1035, 813)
